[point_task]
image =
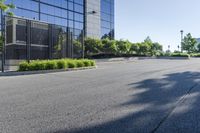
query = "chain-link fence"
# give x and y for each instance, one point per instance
(30, 40)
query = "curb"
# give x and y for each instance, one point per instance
(15, 73)
(138, 58)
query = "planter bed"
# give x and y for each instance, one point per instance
(18, 73)
(65, 64)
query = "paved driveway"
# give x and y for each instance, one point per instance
(144, 96)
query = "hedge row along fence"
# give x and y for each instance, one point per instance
(36, 65)
(180, 55)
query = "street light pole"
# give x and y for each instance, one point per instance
(169, 47)
(181, 40)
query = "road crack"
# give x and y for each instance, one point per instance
(180, 101)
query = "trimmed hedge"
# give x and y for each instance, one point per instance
(180, 55)
(195, 55)
(36, 65)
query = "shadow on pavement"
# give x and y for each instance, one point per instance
(157, 99)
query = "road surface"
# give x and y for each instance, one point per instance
(144, 96)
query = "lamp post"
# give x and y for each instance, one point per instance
(168, 47)
(181, 40)
(178, 47)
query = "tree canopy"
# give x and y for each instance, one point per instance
(6, 7)
(189, 43)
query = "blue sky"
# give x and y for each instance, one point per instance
(162, 20)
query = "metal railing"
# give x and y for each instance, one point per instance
(27, 39)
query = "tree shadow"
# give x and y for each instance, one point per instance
(155, 100)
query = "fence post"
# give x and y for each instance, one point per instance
(50, 34)
(83, 44)
(28, 41)
(3, 36)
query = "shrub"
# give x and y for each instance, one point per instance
(50, 65)
(37, 65)
(23, 66)
(92, 63)
(79, 63)
(61, 64)
(71, 64)
(86, 63)
(54, 64)
(180, 55)
(195, 55)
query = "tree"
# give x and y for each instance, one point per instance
(198, 47)
(93, 46)
(109, 46)
(148, 40)
(5, 8)
(123, 46)
(189, 43)
(144, 48)
(135, 48)
(156, 48)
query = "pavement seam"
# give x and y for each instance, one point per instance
(182, 100)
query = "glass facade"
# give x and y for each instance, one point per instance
(68, 13)
(107, 19)
(46, 29)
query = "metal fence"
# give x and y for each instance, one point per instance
(30, 40)
(0, 61)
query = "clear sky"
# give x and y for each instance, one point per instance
(162, 20)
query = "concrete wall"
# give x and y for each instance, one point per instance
(93, 21)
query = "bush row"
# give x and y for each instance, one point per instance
(105, 47)
(55, 64)
(180, 55)
(195, 55)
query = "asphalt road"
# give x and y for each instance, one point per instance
(145, 96)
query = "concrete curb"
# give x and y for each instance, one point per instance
(138, 58)
(15, 73)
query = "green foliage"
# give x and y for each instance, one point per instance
(198, 47)
(92, 46)
(195, 55)
(23, 66)
(80, 63)
(180, 55)
(189, 43)
(1, 42)
(121, 47)
(54, 64)
(61, 64)
(109, 46)
(87, 63)
(6, 7)
(92, 63)
(144, 48)
(77, 46)
(49, 65)
(71, 64)
(135, 47)
(155, 48)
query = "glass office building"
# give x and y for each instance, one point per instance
(68, 13)
(46, 29)
(107, 19)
